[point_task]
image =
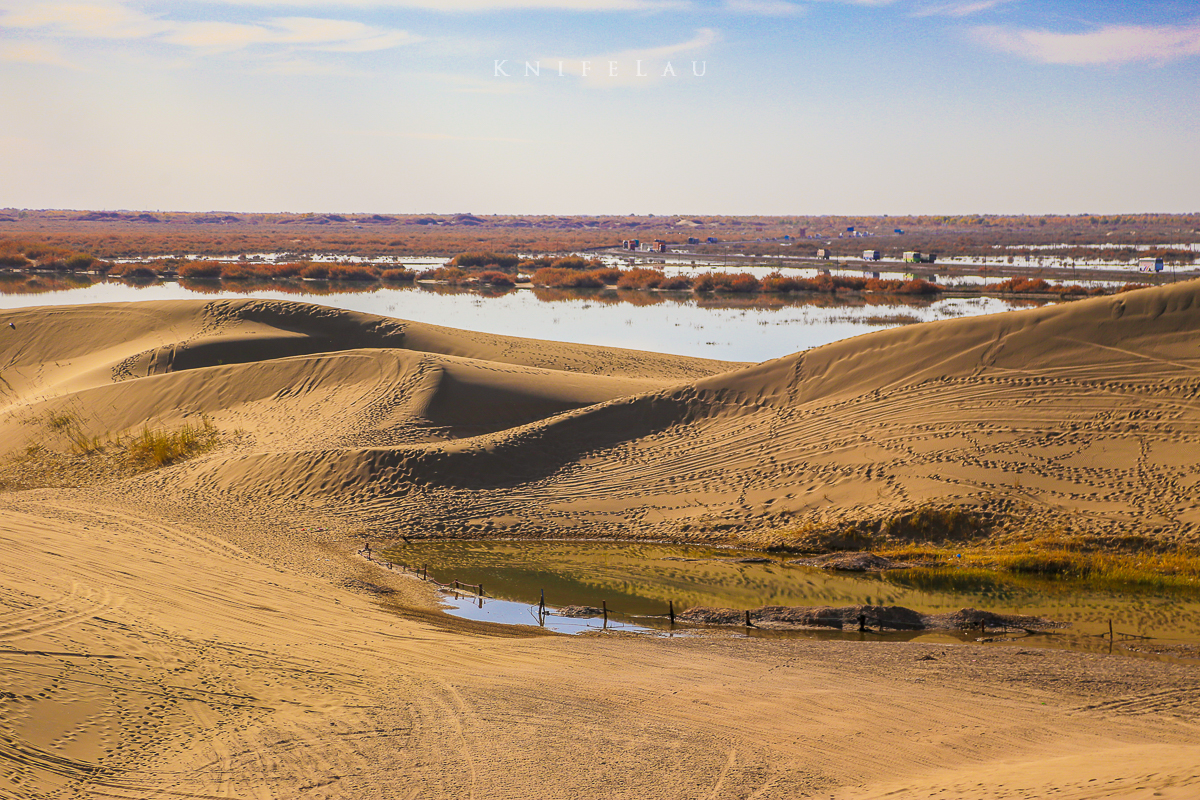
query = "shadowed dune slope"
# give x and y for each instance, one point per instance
(1087, 412)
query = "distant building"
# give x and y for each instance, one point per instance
(630, 244)
(823, 253)
(801, 233)
(1150, 264)
(871, 255)
(693, 240)
(713, 240)
(659, 246)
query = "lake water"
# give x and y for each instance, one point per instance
(745, 328)
(637, 580)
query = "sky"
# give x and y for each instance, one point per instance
(781, 107)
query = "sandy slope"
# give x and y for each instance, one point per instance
(205, 631)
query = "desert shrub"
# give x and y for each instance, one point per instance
(778, 283)
(315, 272)
(237, 272)
(704, 283)
(486, 259)
(677, 283)
(200, 269)
(575, 262)
(531, 264)
(742, 283)
(559, 278)
(496, 278)
(399, 275)
(609, 275)
(290, 269)
(11, 260)
(641, 278)
(351, 272)
(451, 275)
(158, 448)
(139, 273)
(918, 286)
(1132, 287)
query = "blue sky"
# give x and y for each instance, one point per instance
(820, 107)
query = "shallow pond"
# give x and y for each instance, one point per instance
(637, 581)
(749, 328)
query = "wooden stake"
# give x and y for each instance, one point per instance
(542, 603)
(604, 605)
(1110, 633)
(671, 610)
(748, 625)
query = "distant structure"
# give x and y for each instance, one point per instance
(630, 244)
(659, 246)
(897, 230)
(913, 257)
(693, 240)
(713, 240)
(871, 255)
(1150, 264)
(871, 274)
(823, 253)
(800, 233)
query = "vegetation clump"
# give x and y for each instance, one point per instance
(64, 453)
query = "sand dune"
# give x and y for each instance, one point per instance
(1083, 415)
(204, 630)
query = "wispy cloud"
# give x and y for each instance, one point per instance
(959, 9)
(1112, 44)
(635, 67)
(767, 8)
(478, 6)
(34, 53)
(115, 21)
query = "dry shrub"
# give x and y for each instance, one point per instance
(559, 278)
(641, 278)
(451, 275)
(399, 275)
(496, 278)
(158, 448)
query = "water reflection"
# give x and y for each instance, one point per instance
(640, 581)
(733, 327)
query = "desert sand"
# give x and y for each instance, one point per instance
(206, 629)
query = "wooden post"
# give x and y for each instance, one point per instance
(1110, 633)
(456, 586)
(542, 603)
(425, 572)
(748, 625)
(481, 590)
(862, 623)
(671, 610)
(604, 606)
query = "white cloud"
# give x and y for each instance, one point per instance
(959, 9)
(1112, 44)
(116, 21)
(87, 20)
(768, 8)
